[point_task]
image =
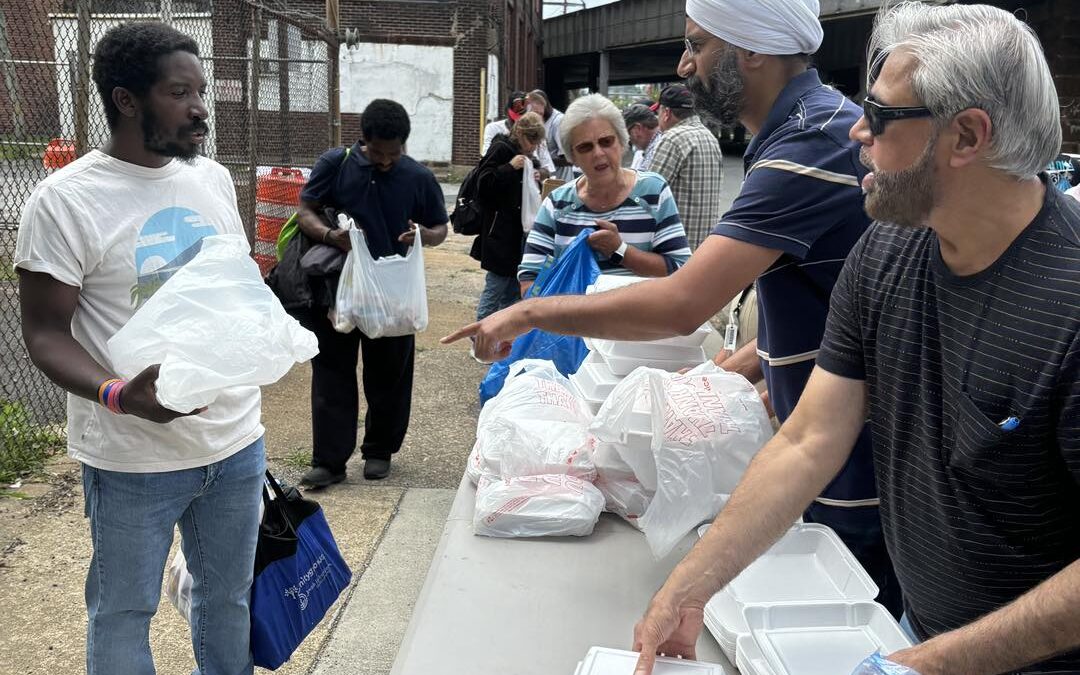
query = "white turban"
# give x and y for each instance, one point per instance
(762, 26)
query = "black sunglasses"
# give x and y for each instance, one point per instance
(878, 115)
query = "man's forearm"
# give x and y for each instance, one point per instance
(64, 361)
(621, 314)
(433, 236)
(1040, 624)
(310, 223)
(745, 362)
(757, 515)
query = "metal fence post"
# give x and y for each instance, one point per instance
(82, 78)
(253, 112)
(333, 52)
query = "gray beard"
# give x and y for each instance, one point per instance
(904, 197)
(723, 100)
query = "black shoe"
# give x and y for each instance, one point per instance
(375, 468)
(320, 477)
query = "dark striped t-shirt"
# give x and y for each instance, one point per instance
(974, 515)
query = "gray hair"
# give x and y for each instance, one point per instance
(593, 106)
(977, 56)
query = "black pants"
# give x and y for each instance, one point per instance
(335, 401)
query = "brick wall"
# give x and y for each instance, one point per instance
(29, 36)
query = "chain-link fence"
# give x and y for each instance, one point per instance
(270, 68)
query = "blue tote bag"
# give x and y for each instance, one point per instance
(299, 573)
(570, 274)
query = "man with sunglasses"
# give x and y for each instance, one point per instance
(954, 327)
(797, 215)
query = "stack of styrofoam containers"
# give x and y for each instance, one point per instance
(604, 661)
(610, 361)
(804, 607)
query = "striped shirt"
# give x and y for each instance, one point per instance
(689, 159)
(647, 220)
(975, 515)
(801, 196)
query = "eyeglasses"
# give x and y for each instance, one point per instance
(691, 48)
(585, 148)
(878, 115)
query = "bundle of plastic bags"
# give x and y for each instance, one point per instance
(681, 443)
(213, 325)
(385, 297)
(549, 505)
(536, 425)
(533, 458)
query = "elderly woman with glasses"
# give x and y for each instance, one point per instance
(637, 226)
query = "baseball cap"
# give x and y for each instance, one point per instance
(677, 97)
(515, 105)
(637, 113)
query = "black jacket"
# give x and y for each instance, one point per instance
(501, 240)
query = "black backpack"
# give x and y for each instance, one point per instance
(468, 215)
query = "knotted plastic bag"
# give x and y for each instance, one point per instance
(213, 325)
(689, 438)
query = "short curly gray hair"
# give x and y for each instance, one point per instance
(587, 108)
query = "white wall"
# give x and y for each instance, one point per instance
(420, 78)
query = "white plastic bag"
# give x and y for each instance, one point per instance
(705, 428)
(178, 583)
(530, 202)
(536, 425)
(536, 506)
(213, 325)
(385, 297)
(624, 494)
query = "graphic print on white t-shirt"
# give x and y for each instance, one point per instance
(167, 241)
(117, 232)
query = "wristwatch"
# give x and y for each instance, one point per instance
(616, 257)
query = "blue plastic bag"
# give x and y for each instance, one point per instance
(299, 573)
(876, 664)
(570, 274)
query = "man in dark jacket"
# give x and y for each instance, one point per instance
(499, 244)
(385, 192)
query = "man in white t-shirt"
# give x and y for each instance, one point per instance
(96, 239)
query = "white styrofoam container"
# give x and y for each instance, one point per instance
(609, 282)
(623, 365)
(822, 638)
(749, 659)
(594, 379)
(650, 351)
(604, 661)
(808, 565)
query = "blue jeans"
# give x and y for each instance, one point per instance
(499, 293)
(132, 516)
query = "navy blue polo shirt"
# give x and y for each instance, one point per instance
(801, 195)
(381, 203)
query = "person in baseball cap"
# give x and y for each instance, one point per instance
(675, 97)
(643, 127)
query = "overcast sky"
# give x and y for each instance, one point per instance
(572, 6)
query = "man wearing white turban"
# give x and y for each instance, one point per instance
(797, 215)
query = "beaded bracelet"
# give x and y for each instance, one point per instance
(109, 395)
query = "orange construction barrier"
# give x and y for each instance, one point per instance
(277, 196)
(58, 153)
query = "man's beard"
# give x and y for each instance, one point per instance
(903, 197)
(154, 141)
(722, 101)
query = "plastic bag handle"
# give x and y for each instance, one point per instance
(417, 243)
(271, 484)
(359, 245)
